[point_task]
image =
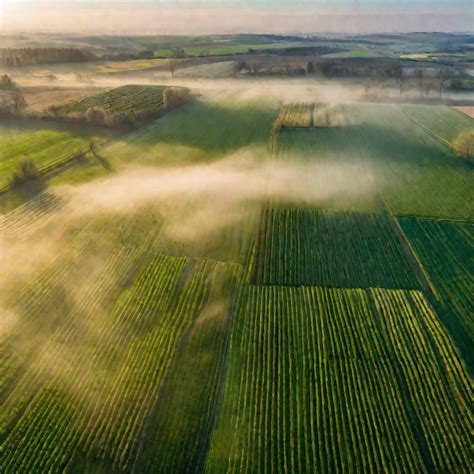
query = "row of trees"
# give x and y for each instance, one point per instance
(29, 56)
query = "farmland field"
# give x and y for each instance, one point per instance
(342, 250)
(45, 144)
(441, 121)
(445, 248)
(325, 380)
(249, 285)
(416, 174)
(221, 69)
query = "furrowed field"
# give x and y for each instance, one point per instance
(247, 287)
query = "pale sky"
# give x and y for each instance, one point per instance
(235, 16)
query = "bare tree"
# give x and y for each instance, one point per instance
(419, 74)
(19, 102)
(442, 78)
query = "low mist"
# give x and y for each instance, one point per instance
(195, 201)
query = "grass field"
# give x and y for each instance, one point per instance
(44, 143)
(441, 121)
(198, 133)
(355, 53)
(231, 299)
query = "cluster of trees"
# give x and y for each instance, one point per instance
(26, 171)
(12, 100)
(275, 68)
(29, 56)
(174, 97)
(6, 83)
(461, 85)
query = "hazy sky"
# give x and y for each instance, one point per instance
(232, 16)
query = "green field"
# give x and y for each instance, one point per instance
(230, 296)
(416, 174)
(445, 249)
(442, 122)
(198, 133)
(337, 250)
(323, 380)
(46, 144)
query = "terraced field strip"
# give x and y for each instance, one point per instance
(446, 250)
(334, 249)
(329, 380)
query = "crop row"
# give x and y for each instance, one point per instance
(178, 431)
(308, 115)
(445, 249)
(90, 401)
(298, 115)
(318, 248)
(93, 348)
(85, 275)
(22, 219)
(325, 380)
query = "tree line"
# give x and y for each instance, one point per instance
(11, 57)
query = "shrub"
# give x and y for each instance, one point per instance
(96, 115)
(175, 96)
(26, 171)
(464, 144)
